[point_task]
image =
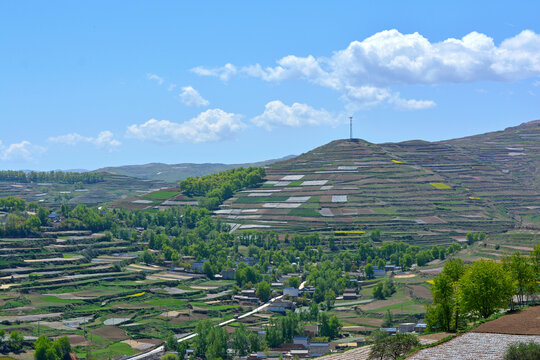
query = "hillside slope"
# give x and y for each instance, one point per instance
(173, 173)
(430, 191)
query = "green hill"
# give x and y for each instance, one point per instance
(173, 173)
(429, 191)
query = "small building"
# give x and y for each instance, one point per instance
(228, 274)
(281, 306)
(290, 291)
(249, 299)
(198, 265)
(420, 328)
(312, 330)
(300, 353)
(249, 292)
(319, 349)
(301, 340)
(309, 290)
(54, 217)
(406, 327)
(393, 268)
(390, 331)
(378, 272)
(189, 353)
(350, 294)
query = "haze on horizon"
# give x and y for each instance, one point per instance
(88, 85)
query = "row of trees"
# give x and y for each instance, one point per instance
(481, 289)
(51, 176)
(11, 343)
(216, 188)
(45, 349)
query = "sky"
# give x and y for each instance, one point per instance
(91, 84)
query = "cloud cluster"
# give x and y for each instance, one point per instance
(224, 73)
(155, 78)
(277, 113)
(365, 70)
(191, 97)
(23, 151)
(105, 140)
(209, 126)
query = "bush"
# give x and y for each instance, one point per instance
(523, 351)
(392, 347)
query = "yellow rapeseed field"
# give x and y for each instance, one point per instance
(397, 161)
(440, 186)
(137, 294)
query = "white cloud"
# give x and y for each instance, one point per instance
(23, 151)
(277, 113)
(224, 72)
(209, 126)
(536, 83)
(191, 97)
(171, 87)
(155, 78)
(364, 71)
(104, 140)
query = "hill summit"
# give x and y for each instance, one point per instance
(433, 191)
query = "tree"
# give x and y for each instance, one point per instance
(375, 235)
(445, 297)
(240, 341)
(208, 270)
(255, 343)
(203, 328)
(329, 298)
(216, 343)
(264, 291)
(388, 319)
(378, 292)
(41, 346)
(392, 347)
(171, 343)
(388, 287)
(485, 288)
(368, 270)
(522, 270)
(15, 341)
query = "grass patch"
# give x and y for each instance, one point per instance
(304, 212)
(54, 299)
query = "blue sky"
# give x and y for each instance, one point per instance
(102, 83)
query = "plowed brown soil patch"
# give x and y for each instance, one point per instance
(525, 322)
(112, 333)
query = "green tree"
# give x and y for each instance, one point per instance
(445, 297)
(216, 343)
(393, 347)
(388, 287)
(378, 291)
(208, 270)
(41, 346)
(240, 341)
(203, 328)
(368, 270)
(485, 288)
(522, 270)
(171, 343)
(388, 319)
(264, 291)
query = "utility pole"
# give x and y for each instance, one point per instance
(350, 125)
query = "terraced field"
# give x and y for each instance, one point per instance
(414, 191)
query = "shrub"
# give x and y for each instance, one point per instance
(523, 351)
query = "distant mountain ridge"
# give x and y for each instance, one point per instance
(172, 173)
